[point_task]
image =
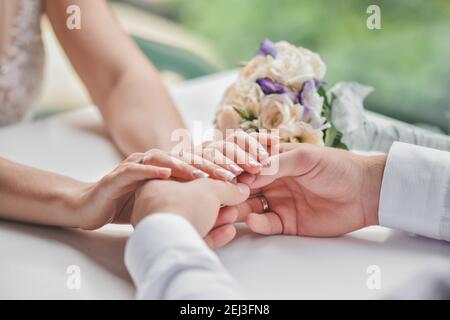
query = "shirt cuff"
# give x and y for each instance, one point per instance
(415, 192)
(156, 234)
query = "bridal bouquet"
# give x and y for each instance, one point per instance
(282, 88)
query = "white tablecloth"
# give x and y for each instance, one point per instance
(34, 259)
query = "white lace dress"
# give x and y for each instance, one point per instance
(21, 60)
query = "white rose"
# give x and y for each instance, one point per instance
(290, 66)
(316, 63)
(293, 66)
(301, 132)
(256, 68)
(227, 118)
(245, 95)
(276, 110)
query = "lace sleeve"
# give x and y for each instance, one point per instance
(21, 67)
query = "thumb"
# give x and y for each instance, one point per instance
(299, 160)
(268, 224)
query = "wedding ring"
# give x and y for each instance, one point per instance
(265, 204)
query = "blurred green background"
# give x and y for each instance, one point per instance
(407, 61)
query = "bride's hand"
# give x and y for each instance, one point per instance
(111, 199)
(239, 152)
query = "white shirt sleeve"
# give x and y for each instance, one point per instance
(431, 283)
(167, 259)
(415, 192)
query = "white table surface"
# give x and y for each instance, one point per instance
(34, 259)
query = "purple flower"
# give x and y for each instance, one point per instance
(319, 84)
(309, 116)
(312, 103)
(267, 47)
(268, 86)
(307, 86)
(293, 96)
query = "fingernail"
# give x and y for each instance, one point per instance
(200, 174)
(242, 188)
(227, 175)
(266, 162)
(254, 164)
(263, 152)
(165, 171)
(236, 169)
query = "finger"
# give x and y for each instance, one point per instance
(225, 217)
(256, 181)
(180, 169)
(132, 172)
(242, 210)
(250, 144)
(270, 141)
(209, 167)
(135, 157)
(227, 193)
(268, 223)
(220, 236)
(127, 175)
(238, 155)
(265, 138)
(247, 178)
(218, 158)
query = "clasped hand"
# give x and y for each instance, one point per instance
(317, 191)
(162, 181)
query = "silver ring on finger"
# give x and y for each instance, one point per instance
(264, 203)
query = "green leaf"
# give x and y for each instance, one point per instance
(247, 116)
(332, 135)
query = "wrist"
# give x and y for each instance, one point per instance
(74, 203)
(81, 205)
(370, 193)
(146, 207)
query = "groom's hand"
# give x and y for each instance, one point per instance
(316, 192)
(198, 201)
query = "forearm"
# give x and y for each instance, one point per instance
(140, 113)
(121, 81)
(32, 195)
